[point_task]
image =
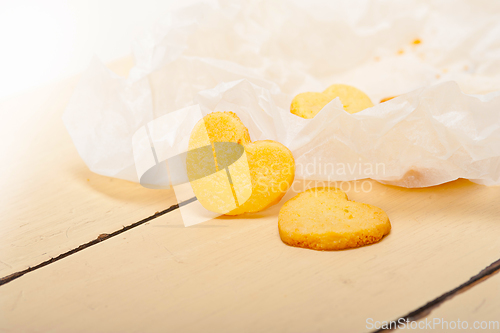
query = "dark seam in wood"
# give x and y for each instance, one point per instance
(425, 310)
(414, 315)
(100, 238)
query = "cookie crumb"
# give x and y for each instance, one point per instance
(102, 237)
(386, 99)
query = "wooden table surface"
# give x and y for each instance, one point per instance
(225, 275)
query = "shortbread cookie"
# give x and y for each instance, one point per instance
(308, 104)
(259, 178)
(272, 170)
(323, 218)
(218, 127)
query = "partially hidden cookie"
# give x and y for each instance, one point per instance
(308, 104)
(259, 177)
(387, 99)
(323, 218)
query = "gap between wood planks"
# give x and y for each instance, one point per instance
(100, 238)
(425, 310)
(417, 314)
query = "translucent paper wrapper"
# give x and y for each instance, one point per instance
(441, 59)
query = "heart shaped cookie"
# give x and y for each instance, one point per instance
(244, 181)
(323, 218)
(308, 104)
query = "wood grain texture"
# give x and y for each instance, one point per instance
(50, 202)
(228, 274)
(235, 274)
(478, 306)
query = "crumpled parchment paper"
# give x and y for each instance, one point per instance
(441, 58)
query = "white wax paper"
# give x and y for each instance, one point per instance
(252, 58)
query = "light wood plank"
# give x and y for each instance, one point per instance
(235, 274)
(478, 306)
(49, 201)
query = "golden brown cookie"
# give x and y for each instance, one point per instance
(272, 170)
(308, 104)
(258, 179)
(323, 218)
